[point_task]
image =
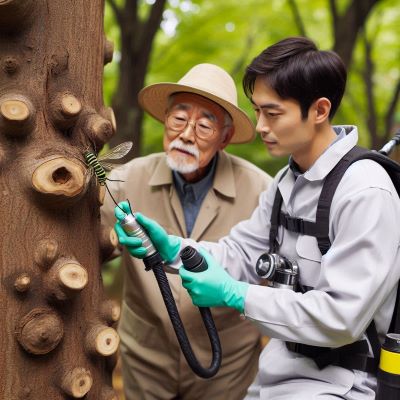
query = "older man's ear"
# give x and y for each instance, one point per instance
(228, 133)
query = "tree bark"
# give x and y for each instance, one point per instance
(297, 17)
(51, 111)
(368, 73)
(347, 26)
(372, 119)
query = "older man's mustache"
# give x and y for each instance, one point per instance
(191, 149)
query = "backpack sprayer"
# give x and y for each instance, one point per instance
(389, 364)
(388, 375)
(192, 261)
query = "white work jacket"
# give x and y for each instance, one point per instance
(354, 282)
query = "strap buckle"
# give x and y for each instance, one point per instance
(292, 224)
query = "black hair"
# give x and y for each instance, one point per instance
(296, 69)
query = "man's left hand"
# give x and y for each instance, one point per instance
(214, 287)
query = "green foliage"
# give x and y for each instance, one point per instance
(218, 33)
(110, 77)
(232, 32)
(383, 32)
(109, 270)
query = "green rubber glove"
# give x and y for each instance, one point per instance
(167, 245)
(214, 287)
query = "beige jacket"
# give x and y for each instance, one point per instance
(148, 184)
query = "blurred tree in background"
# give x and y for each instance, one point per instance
(160, 40)
(138, 25)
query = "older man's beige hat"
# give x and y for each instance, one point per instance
(207, 80)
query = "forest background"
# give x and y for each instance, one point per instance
(159, 41)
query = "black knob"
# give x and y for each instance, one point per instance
(392, 342)
(192, 260)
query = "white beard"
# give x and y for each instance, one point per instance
(179, 162)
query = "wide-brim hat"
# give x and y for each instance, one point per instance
(207, 80)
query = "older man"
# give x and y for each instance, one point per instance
(195, 190)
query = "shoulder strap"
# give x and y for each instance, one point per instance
(332, 181)
(395, 323)
(320, 228)
(276, 208)
(392, 167)
(328, 190)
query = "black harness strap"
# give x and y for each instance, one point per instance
(354, 355)
(319, 228)
(395, 323)
(276, 208)
(351, 356)
(300, 225)
(328, 190)
(273, 231)
(373, 338)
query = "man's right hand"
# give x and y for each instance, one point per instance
(167, 245)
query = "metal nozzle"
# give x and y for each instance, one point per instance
(133, 228)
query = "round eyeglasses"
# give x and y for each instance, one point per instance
(203, 127)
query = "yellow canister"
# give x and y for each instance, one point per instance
(389, 369)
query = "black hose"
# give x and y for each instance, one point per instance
(155, 263)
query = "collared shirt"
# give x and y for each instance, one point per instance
(192, 195)
(340, 132)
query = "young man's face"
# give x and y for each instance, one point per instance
(190, 148)
(280, 123)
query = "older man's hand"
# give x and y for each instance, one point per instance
(167, 245)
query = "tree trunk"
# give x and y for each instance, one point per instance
(368, 73)
(128, 113)
(57, 334)
(137, 36)
(347, 26)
